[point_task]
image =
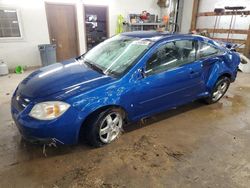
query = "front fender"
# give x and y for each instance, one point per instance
(93, 106)
(112, 95)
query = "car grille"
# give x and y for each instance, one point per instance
(20, 102)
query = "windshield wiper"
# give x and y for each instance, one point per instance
(94, 66)
(97, 68)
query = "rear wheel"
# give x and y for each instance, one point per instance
(219, 90)
(105, 127)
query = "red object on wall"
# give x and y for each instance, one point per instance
(144, 15)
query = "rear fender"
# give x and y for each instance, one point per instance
(232, 60)
(218, 70)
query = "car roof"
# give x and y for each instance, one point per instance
(146, 34)
(156, 35)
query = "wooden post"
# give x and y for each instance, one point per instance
(247, 45)
(194, 14)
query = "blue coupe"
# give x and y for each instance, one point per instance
(125, 78)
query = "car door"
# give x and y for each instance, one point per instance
(172, 77)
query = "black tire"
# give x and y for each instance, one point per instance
(94, 124)
(212, 99)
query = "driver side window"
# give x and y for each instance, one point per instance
(171, 55)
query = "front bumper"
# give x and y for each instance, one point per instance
(35, 140)
(62, 130)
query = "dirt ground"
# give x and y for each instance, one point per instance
(195, 145)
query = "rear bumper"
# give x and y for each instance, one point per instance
(234, 75)
(63, 130)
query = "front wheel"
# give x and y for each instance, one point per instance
(219, 90)
(105, 127)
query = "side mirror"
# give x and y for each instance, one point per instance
(142, 73)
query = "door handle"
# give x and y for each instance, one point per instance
(193, 73)
(53, 40)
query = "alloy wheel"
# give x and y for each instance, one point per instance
(220, 90)
(110, 127)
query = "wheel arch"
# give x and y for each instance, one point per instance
(97, 111)
(213, 79)
(225, 74)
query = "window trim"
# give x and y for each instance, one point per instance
(10, 39)
(174, 68)
(209, 56)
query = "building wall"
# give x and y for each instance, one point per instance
(34, 24)
(186, 16)
(208, 21)
(223, 21)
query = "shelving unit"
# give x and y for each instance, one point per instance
(143, 26)
(227, 13)
(246, 32)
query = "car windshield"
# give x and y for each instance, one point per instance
(116, 55)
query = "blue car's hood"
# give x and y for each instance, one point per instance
(63, 78)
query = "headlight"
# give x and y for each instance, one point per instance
(48, 110)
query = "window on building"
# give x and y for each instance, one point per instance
(9, 23)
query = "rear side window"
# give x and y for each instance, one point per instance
(172, 54)
(206, 50)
